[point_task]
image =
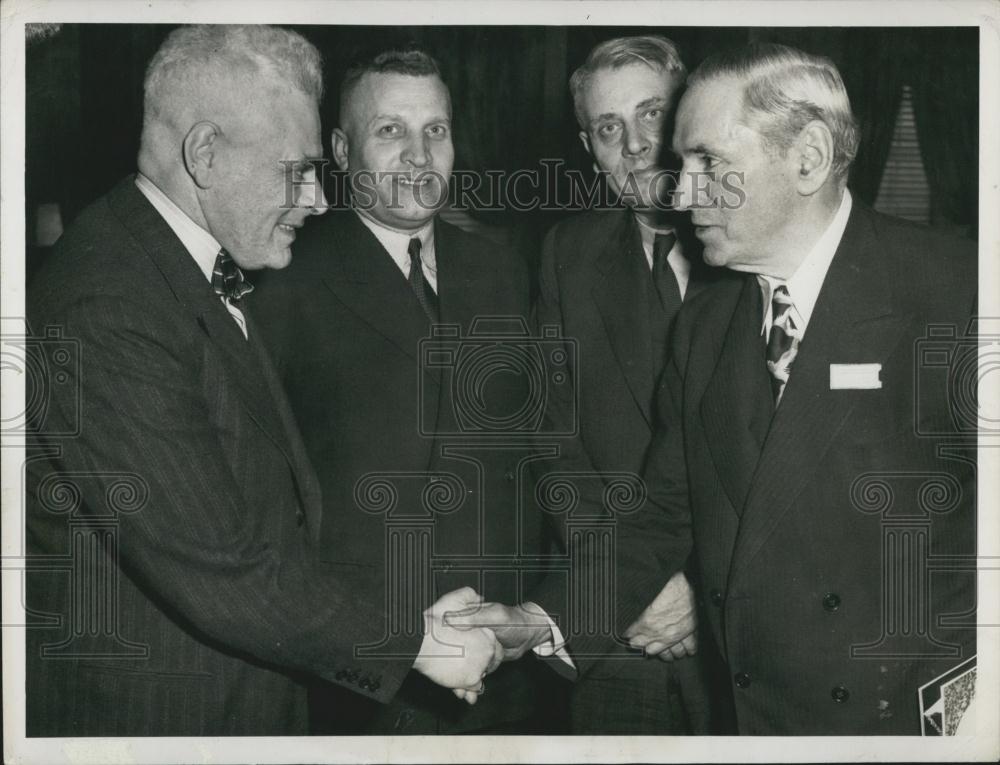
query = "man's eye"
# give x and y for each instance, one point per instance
(606, 131)
(708, 163)
(388, 131)
(653, 114)
(437, 131)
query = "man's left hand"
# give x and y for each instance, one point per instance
(667, 627)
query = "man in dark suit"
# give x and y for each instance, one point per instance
(612, 280)
(172, 528)
(385, 403)
(805, 442)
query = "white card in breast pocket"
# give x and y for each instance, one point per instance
(855, 376)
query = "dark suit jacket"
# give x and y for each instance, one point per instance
(813, 528)
(205, 602)
(379, 400)
(595, 285)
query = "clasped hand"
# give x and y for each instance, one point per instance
(667, 628)
(455, 658)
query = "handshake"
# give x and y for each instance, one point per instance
(466, 639)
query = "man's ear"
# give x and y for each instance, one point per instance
(585, 140)
(814, 157)
(200, 152)
(338, 142)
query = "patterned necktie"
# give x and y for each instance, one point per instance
(663, 275)
(783, 343)
(227, 278)
(425, 295)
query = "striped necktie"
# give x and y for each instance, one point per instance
(227, 279)
(783, 342)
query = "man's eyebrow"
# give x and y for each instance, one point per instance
(603, 117)
(654, 101)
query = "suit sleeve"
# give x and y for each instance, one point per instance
(194, 545)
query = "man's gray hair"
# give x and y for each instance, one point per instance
(784, 90)
(652, 50)
(219, 55)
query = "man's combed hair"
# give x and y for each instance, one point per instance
(223, 54)
(410, 61)
(652, 50)
(784, 90)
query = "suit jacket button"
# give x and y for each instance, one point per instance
(716, 597)
(831, 601)
(374, 685)
(840, 694)
(742, 679)
(300, 518)
(509, 475)
(364, 683)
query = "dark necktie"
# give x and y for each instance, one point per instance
(227, 278)
(425, 295)
(664, 278)
(783, 343)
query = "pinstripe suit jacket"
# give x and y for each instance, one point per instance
(203, 603)
(816, 529)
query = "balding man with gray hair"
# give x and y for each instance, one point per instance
(819, 471)
(198, 605)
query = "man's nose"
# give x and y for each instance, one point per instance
(312, 197)
(637, 142)
(417, 151)
(684, 193)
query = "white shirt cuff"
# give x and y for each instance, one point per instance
(556, 644)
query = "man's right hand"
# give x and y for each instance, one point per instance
(453, 658)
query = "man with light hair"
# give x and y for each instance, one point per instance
(810, 468)
(198, 605)
(612, 280)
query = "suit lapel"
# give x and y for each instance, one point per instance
(736, 404)
(852, 321)
(620, 294)
(363, 276)
(460, 282)
(195, 295)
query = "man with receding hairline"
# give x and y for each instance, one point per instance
(205, 606)
(794, 396)
(367, 287)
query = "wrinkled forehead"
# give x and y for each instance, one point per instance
(613, 88)
(286, 118)
(709, 112)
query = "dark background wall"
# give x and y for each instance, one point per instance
(511, 102)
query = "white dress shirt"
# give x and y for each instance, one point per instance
(200, 244)
(679, 264)
(397, 244)
(804, 285)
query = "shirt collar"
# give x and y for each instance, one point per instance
(397, 243)
(201, 245)
(804, 285)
